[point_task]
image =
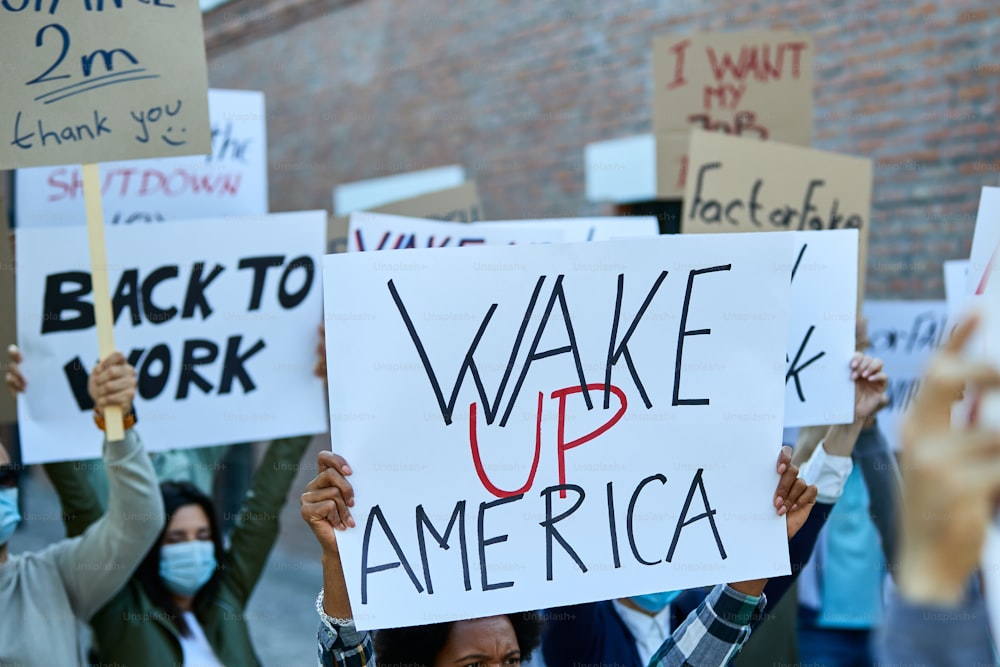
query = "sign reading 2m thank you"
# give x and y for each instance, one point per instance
(101, 80)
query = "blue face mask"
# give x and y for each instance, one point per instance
(654, 603)
(187, 566)
(10, 516)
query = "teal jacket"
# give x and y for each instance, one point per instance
(130, 630)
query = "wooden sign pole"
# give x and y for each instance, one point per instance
(114, 427)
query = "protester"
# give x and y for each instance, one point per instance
(186, 603)
(951, 482)
(714, 632)
(840, 589)
(42, 593)
(628, 631)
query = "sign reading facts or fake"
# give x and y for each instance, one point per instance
(738, 185)
(230, 181)
(904, 334)
(753, 84)
(101, 80)
(219, 318)
(574, 422)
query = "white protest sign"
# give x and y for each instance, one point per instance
(219, 317)
(956, 272)
(371, 231)
(821, 331)
(904, 334)
(457, 396)
(380, 231)
(230, 181)
(985, 241)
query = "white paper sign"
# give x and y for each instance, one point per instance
(456, 387)
(230, 181)
(821, 333)
(985, 242)
(956, 272)
(588, 229)
(904, 334)
(219, 317)
(381, 231)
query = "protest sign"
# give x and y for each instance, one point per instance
(8, 331)
(821, 328)
(88, 82)
(904, 334)
(459, 204)
(754, 84)
(738, 185)
(219, 318)
(379, 231)
(582, 421)
(985, 242)
(956, 273)
(230, 181)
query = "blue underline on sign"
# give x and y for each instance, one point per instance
(88, 82)
(102, 85)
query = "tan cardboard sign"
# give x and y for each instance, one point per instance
(101, 80)
(752, 84)
(8, 330)
(458, 204)
(742, 185)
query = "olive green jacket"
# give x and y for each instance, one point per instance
(131, 631)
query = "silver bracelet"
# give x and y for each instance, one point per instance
(333, 620)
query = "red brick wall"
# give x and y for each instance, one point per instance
(514, 89)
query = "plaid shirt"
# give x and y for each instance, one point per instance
(344, 646)
(713, 633)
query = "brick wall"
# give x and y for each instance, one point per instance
(513, 89)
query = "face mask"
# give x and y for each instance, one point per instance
(187, 566)
(654, 603)
(10, 516)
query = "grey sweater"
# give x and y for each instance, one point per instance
(42, 593)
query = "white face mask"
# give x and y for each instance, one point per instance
(187, 566)
(10, 515)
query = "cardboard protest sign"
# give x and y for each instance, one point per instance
(88, 82)
(984, 259)
(378, 231)
(460, 204)
(574, 422)
(904, 334)
(219, 318)
(230, 181)
(821, 328)
(8, 331)
(738, 185)
(754, 84)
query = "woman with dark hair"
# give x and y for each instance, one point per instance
(186, 603)
(710, 636)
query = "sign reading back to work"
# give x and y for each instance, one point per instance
(219, 318)
(572, 423)
(752, 84)
(102, 80)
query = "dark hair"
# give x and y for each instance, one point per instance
(420, 645)
(175, 496)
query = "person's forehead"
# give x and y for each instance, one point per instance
(485, 632)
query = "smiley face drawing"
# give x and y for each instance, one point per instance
(171, 140)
